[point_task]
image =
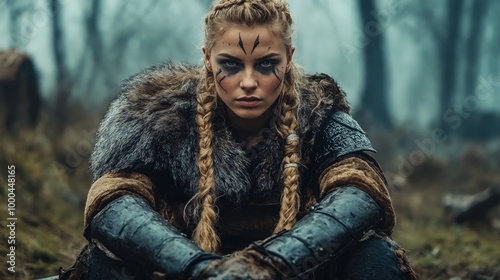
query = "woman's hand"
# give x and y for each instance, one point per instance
(246, 264)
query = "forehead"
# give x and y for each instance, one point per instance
(229, 40)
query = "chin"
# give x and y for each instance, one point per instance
(248, 114)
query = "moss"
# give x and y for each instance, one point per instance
(438, 248)
(49, 223)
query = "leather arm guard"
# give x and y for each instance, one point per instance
(134, 232)
(340, 219)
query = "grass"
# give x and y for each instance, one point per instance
(50, 195)
(439, 248)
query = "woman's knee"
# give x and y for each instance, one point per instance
(102, 266)
(376, 257)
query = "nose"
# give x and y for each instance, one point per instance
(248, 81)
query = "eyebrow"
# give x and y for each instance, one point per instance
(267, 56)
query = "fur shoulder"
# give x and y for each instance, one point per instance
(151, 129)
(154, 105)
(320, 96)
(321, 90)
(162, 78)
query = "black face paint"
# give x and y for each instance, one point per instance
(255, 44)
(267, 66)
(230, 66)
(240, 43)
(222, 79)
(275, 72)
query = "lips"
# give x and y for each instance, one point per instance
(249, 101)
(250, 98)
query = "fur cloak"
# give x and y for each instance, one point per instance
(150, 128)
(147, 145)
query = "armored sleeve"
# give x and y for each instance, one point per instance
(116, 184)
(130, 229)
(339, 136)
(340, 160)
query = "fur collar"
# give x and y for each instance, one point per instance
(150, 128)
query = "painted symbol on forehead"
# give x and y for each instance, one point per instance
(240, 43)
(255, 44)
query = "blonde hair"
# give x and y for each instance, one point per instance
(274, 14)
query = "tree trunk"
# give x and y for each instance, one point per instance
(474, 41)
(62, 89)
(98, 63)
(374, 95)
(448, 54)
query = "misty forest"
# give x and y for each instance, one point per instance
(422, 78)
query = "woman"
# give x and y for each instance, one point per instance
(243, 168)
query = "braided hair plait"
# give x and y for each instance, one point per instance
(287, 129)
(205, 234)
(225, 4)
(274, 14)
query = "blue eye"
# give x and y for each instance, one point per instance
(230, 64)
(267, 64)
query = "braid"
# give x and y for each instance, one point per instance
(274, 14)
(287, 125)
(205, 235)
(222, 5)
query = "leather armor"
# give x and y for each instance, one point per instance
(339, 135)
(142, 237)
(338, 221)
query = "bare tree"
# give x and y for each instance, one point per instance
(94, 37)
(448, 42)
(474, 41)
(493, 42)
(101, 63)
(374, 95)
(445, 31)
(94, 59)
(63, 82)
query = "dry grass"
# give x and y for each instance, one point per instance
(50, 193)
(437, 247)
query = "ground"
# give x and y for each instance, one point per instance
(52, 180)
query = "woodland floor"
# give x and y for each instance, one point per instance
(52, 181)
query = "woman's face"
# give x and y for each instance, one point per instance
(249, 65)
